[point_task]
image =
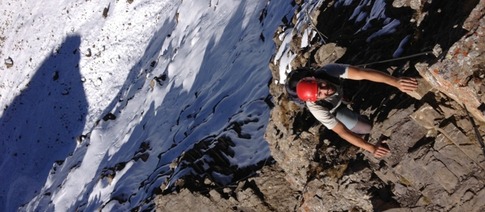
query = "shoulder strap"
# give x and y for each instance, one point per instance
(325, 104)
(321, 74)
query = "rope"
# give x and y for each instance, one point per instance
(322, 36)
(396, 59)
(477, 132)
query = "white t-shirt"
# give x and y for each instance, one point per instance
(321, 113)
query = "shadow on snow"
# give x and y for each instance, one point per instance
(39, 128)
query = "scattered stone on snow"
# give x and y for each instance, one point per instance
(9, 62)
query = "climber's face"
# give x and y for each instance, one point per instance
(325, 89)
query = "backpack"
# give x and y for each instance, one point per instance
(292, 80)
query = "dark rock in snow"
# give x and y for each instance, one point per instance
(109, 116)
(9, 62)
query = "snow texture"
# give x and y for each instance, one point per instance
(104, 95)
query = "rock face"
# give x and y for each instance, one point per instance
(254, 194)
(436, 164)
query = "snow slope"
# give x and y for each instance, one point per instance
(103, 96)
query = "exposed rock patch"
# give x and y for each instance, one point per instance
(253, 194)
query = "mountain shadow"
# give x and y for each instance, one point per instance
(39, 128)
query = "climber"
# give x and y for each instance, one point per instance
(322, 93)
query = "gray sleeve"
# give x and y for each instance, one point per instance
(323, 115)
(336, 70)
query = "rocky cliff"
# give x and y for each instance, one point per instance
(437, 162)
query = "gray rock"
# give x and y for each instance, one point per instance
(328, 53)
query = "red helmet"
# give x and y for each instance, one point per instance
(307, 90)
